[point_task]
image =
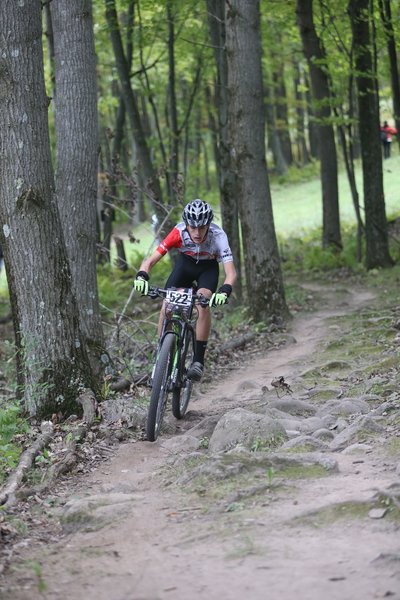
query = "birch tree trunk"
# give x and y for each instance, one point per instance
(77, 157)
(51, 361)
(247, 131)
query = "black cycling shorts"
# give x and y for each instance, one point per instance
(188, 272)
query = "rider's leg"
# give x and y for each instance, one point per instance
(203, 327)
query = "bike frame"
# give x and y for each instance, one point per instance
(168, 374)
(178, 322)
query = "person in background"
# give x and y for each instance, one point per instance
(202, 245)
(386, 137)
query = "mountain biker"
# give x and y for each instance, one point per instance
(202, 245)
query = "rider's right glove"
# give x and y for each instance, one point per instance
(141, 283)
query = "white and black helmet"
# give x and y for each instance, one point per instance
(197, 213)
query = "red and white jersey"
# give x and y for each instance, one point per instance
(215, 246)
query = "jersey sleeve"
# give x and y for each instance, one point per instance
(224, 251)
(172, 240)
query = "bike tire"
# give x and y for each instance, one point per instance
(159, 393)
(182, 392)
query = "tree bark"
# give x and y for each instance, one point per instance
(247, 129)
(172, 104)
(77, 157)
(227, 178)
(376, 234)
(281, 112)
(274, 141)
(51, 358)
(302, 151)
(315, 55)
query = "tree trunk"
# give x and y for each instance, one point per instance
(281, 111)
(315, 55)
(312, 127)
(51, 359)
(247, 129)
(386, 16)
(302, 152)
(151, 178)
(172, 104)
(274, 141)
(376, 235)
(77, 157)
(227, 177)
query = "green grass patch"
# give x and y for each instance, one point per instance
(11, 425)
(329, 515)
(392, 447)
(303, 472)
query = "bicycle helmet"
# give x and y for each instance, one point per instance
(197, 213)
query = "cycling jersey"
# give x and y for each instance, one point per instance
(214, 247)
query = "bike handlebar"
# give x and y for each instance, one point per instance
(156, 292)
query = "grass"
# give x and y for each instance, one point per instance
(298, 208)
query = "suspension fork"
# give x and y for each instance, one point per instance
(176, 328)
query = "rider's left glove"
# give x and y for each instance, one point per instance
(221, 297)
(141, 283)
(218, 299)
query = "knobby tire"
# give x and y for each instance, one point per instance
(161, 378)
(182, 392)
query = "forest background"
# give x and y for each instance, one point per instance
(115, 111)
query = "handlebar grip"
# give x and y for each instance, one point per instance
(204, 302)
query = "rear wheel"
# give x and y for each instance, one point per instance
(161, 381)
(183, 388)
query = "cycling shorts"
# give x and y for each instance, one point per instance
(188, 272)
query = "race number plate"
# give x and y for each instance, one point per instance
(180, 297)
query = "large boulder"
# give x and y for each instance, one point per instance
(240, 426)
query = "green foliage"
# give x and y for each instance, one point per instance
(296, 174)
(114, 287)
(11, 424)
(307, 254)
(37, 570)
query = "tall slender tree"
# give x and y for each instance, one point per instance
(51, 360)
(227, 179)
(376, 234)
(247, 135)
(316, 57)
(77, 157)
(132, 108)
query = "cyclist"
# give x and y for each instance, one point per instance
(202, 245)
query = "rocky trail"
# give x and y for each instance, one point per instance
(280, 491)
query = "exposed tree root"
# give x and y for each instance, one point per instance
(238, 342)
(8, 492)
(67, 462)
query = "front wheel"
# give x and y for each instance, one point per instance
(161, 381)
(183, 388)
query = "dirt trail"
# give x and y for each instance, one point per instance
(166, 546)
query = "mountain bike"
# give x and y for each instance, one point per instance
(174, 355)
